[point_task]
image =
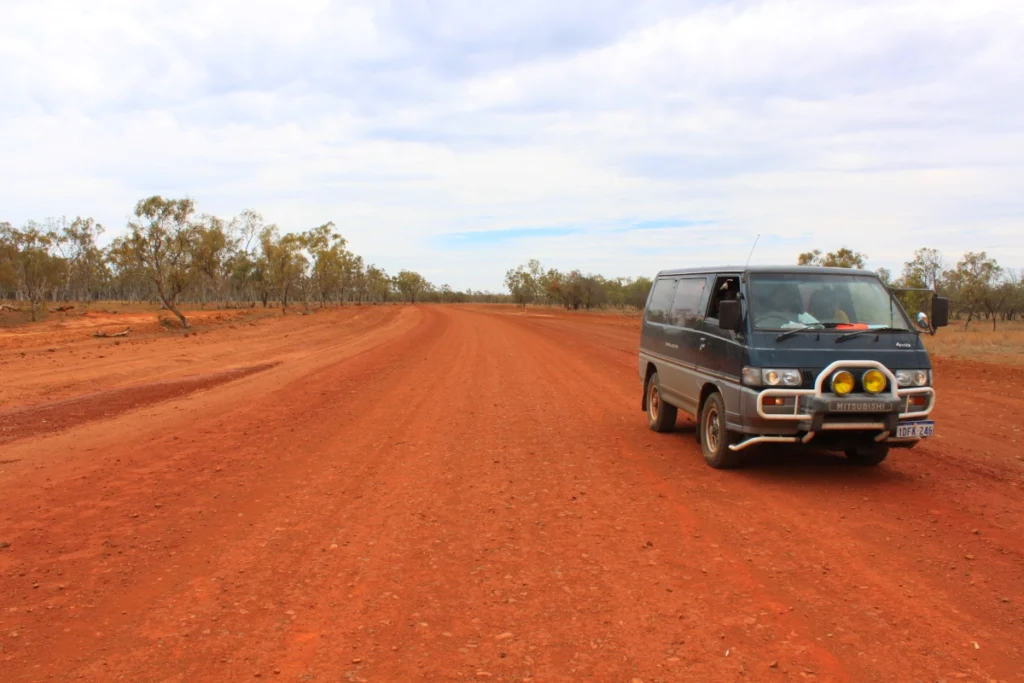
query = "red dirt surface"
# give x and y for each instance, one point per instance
(454, 493)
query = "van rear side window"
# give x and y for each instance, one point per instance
(686, 305)
(661, 301)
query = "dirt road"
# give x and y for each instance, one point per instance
(406, 493)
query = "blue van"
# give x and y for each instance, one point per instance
(822, 357)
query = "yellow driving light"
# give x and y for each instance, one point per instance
(874, 382)
(842, 383)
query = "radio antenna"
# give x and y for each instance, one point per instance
(751, 251)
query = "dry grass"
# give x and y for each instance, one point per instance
(979, 342)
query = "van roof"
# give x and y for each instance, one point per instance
(811, 270)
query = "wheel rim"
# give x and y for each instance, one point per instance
(654, 402)
(711, 429)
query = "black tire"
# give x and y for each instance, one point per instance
(661, 417)
(867, 456)
(714, 437)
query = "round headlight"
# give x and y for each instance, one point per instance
(912, 378)
(792, 378)
(874, 382)
(842, 383)
(771, 377)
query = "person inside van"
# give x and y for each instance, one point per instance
(780, 303)
(729, 290)
(824, 305)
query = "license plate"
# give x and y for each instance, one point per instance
(858, 406)
(915, 430)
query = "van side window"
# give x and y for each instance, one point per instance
(727, 288)
(661, 301)
(686, 304)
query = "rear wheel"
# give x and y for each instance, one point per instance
(714, 437)
(661, 417)
(867, 456)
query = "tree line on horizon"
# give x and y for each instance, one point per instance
(532, 283)
(174, 255)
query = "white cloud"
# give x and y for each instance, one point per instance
(882, 126)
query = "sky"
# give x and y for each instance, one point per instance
(461, 138)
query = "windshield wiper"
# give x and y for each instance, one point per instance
(857, 333)
(789, 333)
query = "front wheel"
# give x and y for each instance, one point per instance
(714, 437)
(868, 456)
(661, 417)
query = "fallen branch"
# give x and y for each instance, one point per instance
(5, 307)
(113, 334)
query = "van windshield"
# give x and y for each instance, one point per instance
(780, 301)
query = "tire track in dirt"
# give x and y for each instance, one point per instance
(48, 418)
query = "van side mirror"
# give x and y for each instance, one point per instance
(940, 311)
(729, 315)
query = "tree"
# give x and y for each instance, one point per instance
(8, 257)
(31, 266)
(128, 279)
(331, 261)
(84, 260)
(411, 284)
(243, 265)
(520, 285)
(283, 262)
(571, 289)
(592, 290)
(536, 281)
(212, 248)
(637, 292)
(378, 284)
(974, 282)
(841, 258)
(551, 283)
(249, 225)
(352, 273)
(1015, 299)
(162, 241)
(924, 271)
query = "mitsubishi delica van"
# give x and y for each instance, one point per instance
(819, 357)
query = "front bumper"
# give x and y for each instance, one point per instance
(778, 415)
